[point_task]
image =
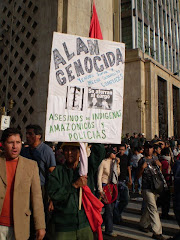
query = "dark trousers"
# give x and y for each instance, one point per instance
(164, 202)
(121, 202)
(108, 217)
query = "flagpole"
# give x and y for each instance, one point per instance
(93, 2)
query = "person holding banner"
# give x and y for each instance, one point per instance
(64, 183)
(105, 176)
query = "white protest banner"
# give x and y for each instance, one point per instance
(85, 97)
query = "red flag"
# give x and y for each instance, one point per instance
(93, 208)
(95, 29)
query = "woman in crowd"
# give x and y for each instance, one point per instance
(105, 174)
(134, 163)
(165, 197)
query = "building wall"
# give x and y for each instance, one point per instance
(74, 17)
(141, 82)
(26, 48)
(154, 27)
(26, 30)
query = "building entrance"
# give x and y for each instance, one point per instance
(162, 107)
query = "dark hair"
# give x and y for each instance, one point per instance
(165, 151)
(156, 146)
(122, 145)
(37, 129)
(137, 149)
(9, 132)
(148, 144)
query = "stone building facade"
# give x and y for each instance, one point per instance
(25, 44)
(151, 31)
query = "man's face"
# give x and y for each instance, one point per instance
(71, 154)
(122, 151)
(148, 151)
(31, 137)
(158, 150)
(12, 146)
(115, 149)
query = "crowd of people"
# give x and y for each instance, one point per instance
(40, 199)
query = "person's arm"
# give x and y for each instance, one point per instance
(40, 233)
(51, 169)
(158, 163)
(59, 188)
(118, 165)
(141, 170)
(99, 177)
(50, 160)
(129, 174)
(37, 204)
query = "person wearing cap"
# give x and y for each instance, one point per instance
(150, 214)
(63, 187)
(104, 176)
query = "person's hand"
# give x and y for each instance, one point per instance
(51, 206)
(130, 182)
(40, 233)
(118, 160)
(101, 195)
(82, 181)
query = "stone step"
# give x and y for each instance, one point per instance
(129, 228)
(170, 227)
(132, 233)
(135, 207)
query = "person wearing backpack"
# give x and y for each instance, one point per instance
(150, 214)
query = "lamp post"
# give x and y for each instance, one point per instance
(142, 108)
(4, 110)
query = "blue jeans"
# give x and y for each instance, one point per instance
(134, 178)
(121, 202)
(108, 217)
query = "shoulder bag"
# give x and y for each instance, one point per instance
(158, 181)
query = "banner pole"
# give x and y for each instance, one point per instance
(80, 198)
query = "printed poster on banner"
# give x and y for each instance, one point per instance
(86, 85)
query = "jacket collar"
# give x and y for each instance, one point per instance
(19, 170)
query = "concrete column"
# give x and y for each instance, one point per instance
(170, 109)
(60, 16)
(142, 32)
(153, 102)
(133, 24)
